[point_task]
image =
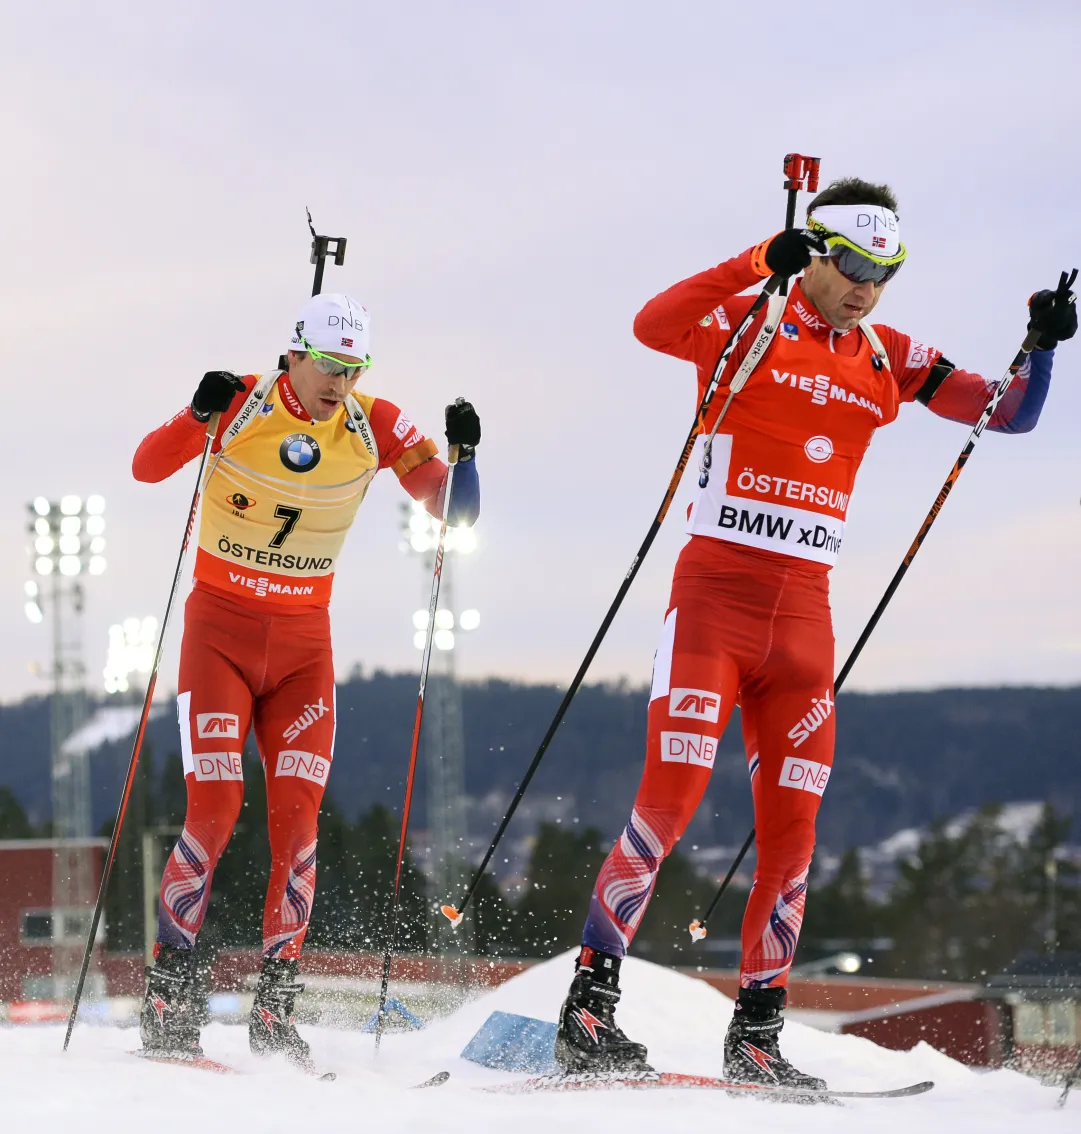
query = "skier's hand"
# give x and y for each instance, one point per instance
(1054, 313)
(787, 253)
(215, 394)
(463, 428)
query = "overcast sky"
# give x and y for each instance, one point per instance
(515, 181)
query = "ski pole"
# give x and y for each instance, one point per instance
(320, 250)
(129, 779)
(697, 927)
(429, 634)
(794, 164)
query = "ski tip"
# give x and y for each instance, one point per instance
(697, 930)
(436, 1080)
(452, 915)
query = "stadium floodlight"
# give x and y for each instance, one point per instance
(845, 962)
(420, 534)
(462, 540)
(131, 650)
(67, 535)
(32, 606)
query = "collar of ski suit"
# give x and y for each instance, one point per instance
(810, 319)
(291, 402)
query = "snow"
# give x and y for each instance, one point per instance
(97, 1087)
(108, 725)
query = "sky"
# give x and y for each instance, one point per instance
(515, 181)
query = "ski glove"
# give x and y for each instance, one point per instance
(215, 394)
(463, 428)
(787, 253)
(1054, 313)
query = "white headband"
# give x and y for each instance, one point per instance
(872, 227)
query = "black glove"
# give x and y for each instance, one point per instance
(788, 253)
(463, 428)
(216, 392)
(1054, 313)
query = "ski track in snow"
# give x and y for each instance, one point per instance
(98, 1087)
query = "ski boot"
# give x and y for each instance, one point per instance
(172, 1013)
(588, 1038)
(751, 1051)
(271, 1028)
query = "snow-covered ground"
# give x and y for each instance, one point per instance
(96, 1086)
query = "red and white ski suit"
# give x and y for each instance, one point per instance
(748, 618)
(256, 651)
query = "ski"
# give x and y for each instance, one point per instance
(197, 1062)
(638, 1080)
(202, 1063)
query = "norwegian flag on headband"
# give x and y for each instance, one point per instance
(347, 342)
(878, 242)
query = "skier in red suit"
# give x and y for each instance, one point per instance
(748, 620)
(296, 451)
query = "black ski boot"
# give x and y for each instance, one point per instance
(751, 1051)
(271, 1029)
(588, 1038)
(172, 1011)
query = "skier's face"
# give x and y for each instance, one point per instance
(320, 394)
(840, 302)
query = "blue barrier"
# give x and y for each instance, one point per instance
(514, 1043)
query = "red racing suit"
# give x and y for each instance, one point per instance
(276, 507)
(748, 619)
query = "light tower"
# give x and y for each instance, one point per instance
(443, 741)
(67, 541)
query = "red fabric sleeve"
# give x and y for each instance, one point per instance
(412, 456)
(910, 361)
(961, 397)
(693, 318)
(181, 439)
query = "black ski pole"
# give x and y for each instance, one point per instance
(429, 634)
(697, 927)
(320, 250)
(796, 167)
(129, 779)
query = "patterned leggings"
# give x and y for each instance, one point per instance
(238, 668)
(754, 626)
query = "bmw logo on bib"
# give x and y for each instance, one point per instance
(299, 452)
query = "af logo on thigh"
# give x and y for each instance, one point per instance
(698, 704)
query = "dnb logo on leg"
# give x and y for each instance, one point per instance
(805, 775)
(299, 452)
(688, 748)
(218, 766)
(306, 765)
